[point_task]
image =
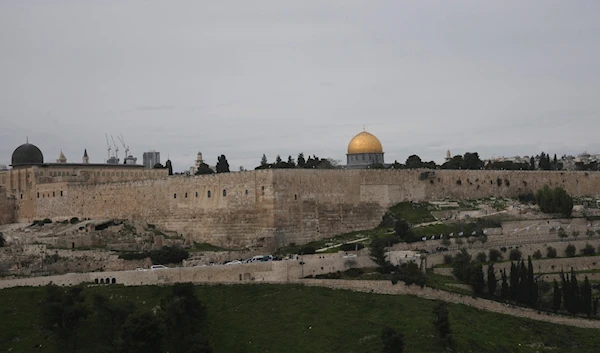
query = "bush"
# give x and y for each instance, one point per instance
(74, 220)
(537, 255)
(168, 255)
(448, 259)
(570, 250)
(351, 247)
(575, 233)
(47, 220)
(307, 250)
(554, 201)
(551, 252)
(588, 250)
(526, 198)
(410, 273)
(589, 233)
(481, 257)
(562, 233)
(495, 255)
(354, 272)
(128, 256)
(515, 255)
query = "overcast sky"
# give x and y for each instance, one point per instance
(243, 78)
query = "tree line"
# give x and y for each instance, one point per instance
(312, 162)
(81, 322)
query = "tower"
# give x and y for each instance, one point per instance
(61, 158)
(448, 156)
(86, 159)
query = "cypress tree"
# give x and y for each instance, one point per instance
(532, 293)
(556, 297)
(575, 294)
(586, 297)
(522, 290)
(491, 280)
(504, 290)
(476, 277)
(514, 281)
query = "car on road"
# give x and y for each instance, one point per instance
(158, 267)
(141, 269)
(233, 263)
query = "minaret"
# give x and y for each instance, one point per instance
(448, 156)
(86, 159)
(61, 158)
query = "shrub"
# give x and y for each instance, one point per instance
(134, 255)
(410, 273)
(495, 255)
(537, 255)
(168, 255)
(554, 201)
(446, 242)
(588, 250)
(354, 272)
(74, 220)
(307, 250)
(448, 259)
(589, 233)
(551, 252)
(570, 250)
(526, 198)
(575, 233)
(503, 249)
(481, 257)
(47, 220)
(562, 233)
(351, 247)
(515, 255)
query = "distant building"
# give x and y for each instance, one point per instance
(151, 158)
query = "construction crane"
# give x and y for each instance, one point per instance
(116, 148)
(124, 146)
(108, 145)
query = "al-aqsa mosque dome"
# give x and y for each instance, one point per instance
(364, 150)
(26, 155)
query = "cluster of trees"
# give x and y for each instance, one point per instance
(523, 286)
(409, 273)
(575, 298)
(545, 163)
(119, 326)
(221, 167)
(313, 162)
(554, 201)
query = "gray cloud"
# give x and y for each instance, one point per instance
(279, 77)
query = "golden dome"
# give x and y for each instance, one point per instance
(364, 143)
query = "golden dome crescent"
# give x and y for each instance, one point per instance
(364, 143)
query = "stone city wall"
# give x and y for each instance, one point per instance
(271, 208)
(7, 208)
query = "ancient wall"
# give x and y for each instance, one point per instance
(277, 207)
(231, 210)
(7, 208)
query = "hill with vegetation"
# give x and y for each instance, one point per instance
(294, 318)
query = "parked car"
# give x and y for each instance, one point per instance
(233, 263)
(158, 267)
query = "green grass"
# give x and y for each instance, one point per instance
(337, 240)
(413, 213)
(294, 319)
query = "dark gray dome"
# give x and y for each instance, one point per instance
(27, 154)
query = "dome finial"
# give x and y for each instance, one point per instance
(364, 128)
(27, 139)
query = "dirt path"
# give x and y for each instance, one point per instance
(386, 287)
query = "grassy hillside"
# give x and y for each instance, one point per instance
(291, 318)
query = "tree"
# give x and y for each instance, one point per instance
(515, 255)
(556, 297)
(504, 290)
(290, 161)
(62, 312)
(413, 162)
(551, 252)
(402, 229)
(441, 321)
(495, 255)
(586, 297)
(393, 341)
(222, 164)
(554, 201)
(472, 161)
(477, 279)
(169, 166)
(263, 160)
(183, 316)
(278, 160)
(2, 240)
(532, 163)
(461, 266)
(491, 273)
(301, 160)
(111, 315)
(589, 250)
(570, 250)
(204, 169)
(481, 257)
(158, 166)
(142, 333)
(537, 254)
